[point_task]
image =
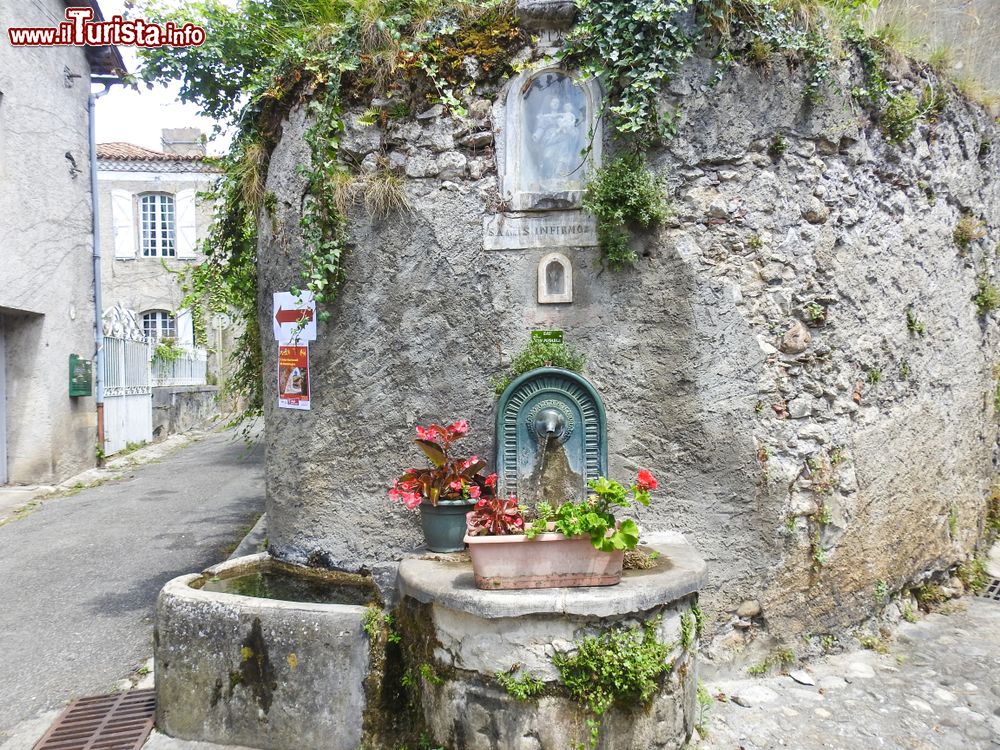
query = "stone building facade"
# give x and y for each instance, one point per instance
(153, 220)
(46, 274)
(759, 358)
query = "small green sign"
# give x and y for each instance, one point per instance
(547, 337)
(81, 376)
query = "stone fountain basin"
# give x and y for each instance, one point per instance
(471, 634)
(259, 672)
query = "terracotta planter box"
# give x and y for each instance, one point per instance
(545, 562)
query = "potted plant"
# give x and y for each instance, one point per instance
(576, 544)
(447, 490)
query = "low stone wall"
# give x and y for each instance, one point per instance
(179, 408)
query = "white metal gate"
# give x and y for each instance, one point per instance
(128, 393)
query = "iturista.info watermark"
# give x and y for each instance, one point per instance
(80, 29)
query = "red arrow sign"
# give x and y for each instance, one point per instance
(293, 316)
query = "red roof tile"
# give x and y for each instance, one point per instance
(121, 151)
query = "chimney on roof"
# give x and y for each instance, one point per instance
(183, 141)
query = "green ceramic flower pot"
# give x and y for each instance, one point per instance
(444, 524)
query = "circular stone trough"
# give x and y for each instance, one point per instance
(264, 673)
(464, 636)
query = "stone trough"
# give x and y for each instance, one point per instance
(240, 669)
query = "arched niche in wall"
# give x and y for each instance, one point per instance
(555, 279)
(551, 140)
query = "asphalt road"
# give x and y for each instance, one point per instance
(79, 575)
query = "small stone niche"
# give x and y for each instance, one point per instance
(555, 280)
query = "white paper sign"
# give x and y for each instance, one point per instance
(294, 317)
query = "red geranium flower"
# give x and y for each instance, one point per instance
(646, 481)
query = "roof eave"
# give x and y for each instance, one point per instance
(106, 62)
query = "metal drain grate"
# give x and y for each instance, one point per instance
(121, 721)
(992, 590)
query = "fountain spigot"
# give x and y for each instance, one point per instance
(550, 423)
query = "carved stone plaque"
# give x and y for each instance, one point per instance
(554, 229)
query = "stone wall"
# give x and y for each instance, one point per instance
(179, 408)
(809, 452)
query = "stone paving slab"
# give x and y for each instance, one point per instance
(938, 688)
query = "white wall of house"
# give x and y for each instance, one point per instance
(46, 295)
(143, 276)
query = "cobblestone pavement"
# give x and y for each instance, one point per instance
(938, 688)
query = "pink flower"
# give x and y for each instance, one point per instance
(395, 495)
(491, 480)
(474, 491)
(646, 481)
(457, 486)
(468, 462)
(411, 500)
(458, 428)
(423, 434)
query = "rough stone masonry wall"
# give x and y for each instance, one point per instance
(712, 376)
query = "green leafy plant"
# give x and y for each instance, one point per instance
(930, 595)
(687, 630)
(780, 659)
(900, 117)
(621, 666)
(595, 516)
(430, 674)
(699, 619)
(913, 324)
(540, 354)
(705, 702)
(167, 351)
(635, 47)
(371, 621)
(973, 575)
(778, 147)
(522, 688)
(874, 643)
(874, 376)
(953, 522)
(622, 195)
(815, 313)
(881, 591)
(987, 297)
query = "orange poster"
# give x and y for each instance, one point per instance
(293, 377)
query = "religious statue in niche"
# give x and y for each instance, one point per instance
(551, 140)
(555, 110)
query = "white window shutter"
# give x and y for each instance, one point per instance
(185, 223)
(185, 328)
(122, 223)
